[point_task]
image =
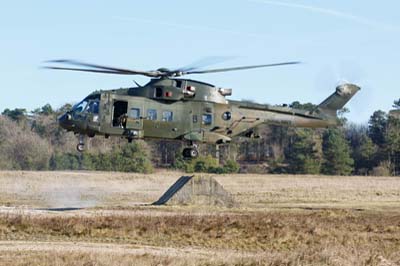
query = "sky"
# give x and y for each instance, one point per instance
(336, 41)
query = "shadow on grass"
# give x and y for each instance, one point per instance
(63, 209)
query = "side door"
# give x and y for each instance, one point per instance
(201, 121)
(195, 118)
(135, 115)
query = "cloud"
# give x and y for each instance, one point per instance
(331, 12)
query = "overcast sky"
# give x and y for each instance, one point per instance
(357, 41)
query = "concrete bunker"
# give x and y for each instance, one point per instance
(197, 190)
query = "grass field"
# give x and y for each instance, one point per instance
(279, 220)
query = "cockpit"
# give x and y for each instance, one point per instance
(80, 107)
(89, 105)
(86, 111)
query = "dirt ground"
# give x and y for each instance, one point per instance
(98, 218)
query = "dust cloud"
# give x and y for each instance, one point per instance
(69, 195)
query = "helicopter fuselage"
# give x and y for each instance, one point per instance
(189, 110)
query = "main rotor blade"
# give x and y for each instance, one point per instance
(238, 68)
(206, 61)
(108, 69)
(88, 70)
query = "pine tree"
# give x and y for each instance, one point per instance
(377, 127)
(396, 104)
(302, 154)
(336, 154)
(364, 154)
(377, 131)
(393, 144)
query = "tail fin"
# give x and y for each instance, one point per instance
(338, 99)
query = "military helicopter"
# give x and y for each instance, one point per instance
(173, 108)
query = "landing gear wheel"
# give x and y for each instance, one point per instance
(190, 153)
(193, 153)
(80, 147)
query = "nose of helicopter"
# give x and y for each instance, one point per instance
(65, 121)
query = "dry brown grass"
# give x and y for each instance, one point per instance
(276, 191)
(328, 237)
(110, 190)
(282, 220)
(98, 259)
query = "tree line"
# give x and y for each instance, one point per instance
(34, 141)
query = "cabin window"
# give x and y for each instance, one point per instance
(167, 116)
(134, 113)
(207, 119)
(158, 92)
(80, 107)
(178, 83)
(94, 107)
(227, 116)
(152, 114)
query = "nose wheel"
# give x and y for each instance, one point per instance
(81, 145)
